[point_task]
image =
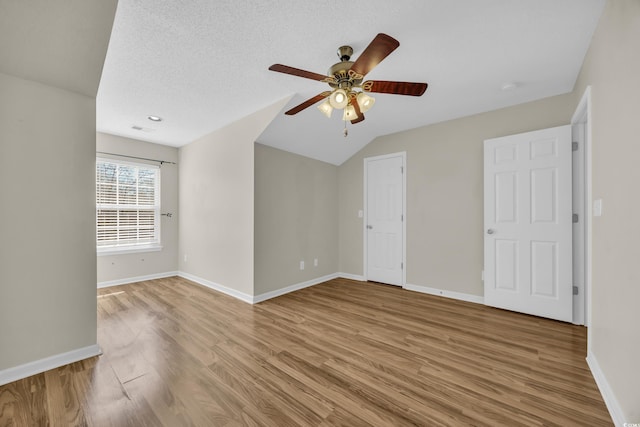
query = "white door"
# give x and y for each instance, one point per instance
(528, 223)
(384, 218)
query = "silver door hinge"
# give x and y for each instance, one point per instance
(575, 290)
(574, 146)
(575, 218)
(401, 169)
(402, 266)
(401, 217)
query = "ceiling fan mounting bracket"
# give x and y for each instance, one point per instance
(344, 53)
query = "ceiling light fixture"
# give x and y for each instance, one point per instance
(365, 102)
(349, 113)
(326, 108)
(339, 99)
(154, 118)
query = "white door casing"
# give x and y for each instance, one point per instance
(528, 223)
(384, 219)
(579, 229)
(581, 133)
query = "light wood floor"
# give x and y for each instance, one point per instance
(342, 353)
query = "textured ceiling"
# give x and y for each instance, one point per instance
(201, 64)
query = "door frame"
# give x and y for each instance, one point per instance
(365, 251)
(582, 116)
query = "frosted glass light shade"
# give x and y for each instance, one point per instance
(365, 101)
(339, 99)
(326, 108)
(349, 113)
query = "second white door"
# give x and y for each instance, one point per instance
(384, 219)
(528, 223)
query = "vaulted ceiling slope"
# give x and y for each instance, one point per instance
(58, 43)
(203, 64)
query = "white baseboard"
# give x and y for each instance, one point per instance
(444, 293)
(605, 390)
(292, 288)
(36, 367)
(217, 287)
(351, 276)
(127, 280)
(254, 299)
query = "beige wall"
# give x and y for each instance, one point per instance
(612, 68)
(216, 195)
(444, 192)
(121, 267)
(296, 219)
(47, 221)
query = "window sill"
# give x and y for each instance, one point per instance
(127, 250)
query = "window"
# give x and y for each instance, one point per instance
(127, 206)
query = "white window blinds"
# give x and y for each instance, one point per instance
(127, 204)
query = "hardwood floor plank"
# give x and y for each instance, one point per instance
(342, 353)
(334, 388)
(19, 405)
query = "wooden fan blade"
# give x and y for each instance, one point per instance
(396, 88)
(358, 120)
(297, 72)
(360, 116)
(379, 48)
(308, 103)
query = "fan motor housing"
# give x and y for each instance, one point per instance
(341, 70)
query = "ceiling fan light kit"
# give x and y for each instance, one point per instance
(326, 108)
(365, 101)
(339, 99)
(349, 113)
(346, 81)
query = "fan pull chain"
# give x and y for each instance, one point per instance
(346, 132)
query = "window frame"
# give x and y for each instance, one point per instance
(129, 246)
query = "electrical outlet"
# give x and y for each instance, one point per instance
(315, 262)
(185, 257)
(301, 265)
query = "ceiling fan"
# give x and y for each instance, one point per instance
(348, 91)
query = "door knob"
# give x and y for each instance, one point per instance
(490, 231)
(370, 227)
